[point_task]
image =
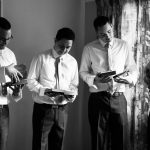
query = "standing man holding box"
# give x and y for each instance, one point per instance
(107, 108)
(53, 80)
(7, 73)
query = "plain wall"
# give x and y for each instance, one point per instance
(34, 26)
(90, 14)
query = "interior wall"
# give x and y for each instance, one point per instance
(90, 14)
(34, 25)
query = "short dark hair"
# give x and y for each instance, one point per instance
(65, 33)
(100, 21)
(5, 24)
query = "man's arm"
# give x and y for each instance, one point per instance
(14, 92)
(33, 75)
(131, 67)
(93, 80)
(10, 71)
(85, 68)
(74, 85)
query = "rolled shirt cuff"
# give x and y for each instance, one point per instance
(42, 91)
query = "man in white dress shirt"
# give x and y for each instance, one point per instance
(147, 81)
(7, 72)
(54, 70)
(107, 108)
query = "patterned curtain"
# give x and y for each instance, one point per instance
(131, 20)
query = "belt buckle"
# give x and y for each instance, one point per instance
(115, 94)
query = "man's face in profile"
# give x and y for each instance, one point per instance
(5, 36)
(63, 46)
(105, 33)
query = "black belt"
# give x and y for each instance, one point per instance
(53, 106)
(3, 106)
(115, 94)
(57, 106)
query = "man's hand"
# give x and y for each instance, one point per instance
(147, 38)
(12, 72)
(70, 98)
(16, 89)
(121, 80)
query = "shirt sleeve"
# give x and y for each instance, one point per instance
(34, 74)
(17, 97)
(75, 82)
(131, 67)
(85, 68)
(11, 56)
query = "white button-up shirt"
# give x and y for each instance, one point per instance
(7, 57)
(42, 75)
(96, 58)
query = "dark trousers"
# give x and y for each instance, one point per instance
(49, 124)
(148, 133)
(108, 121)
(4, 124)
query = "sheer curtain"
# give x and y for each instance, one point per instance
(131, 20)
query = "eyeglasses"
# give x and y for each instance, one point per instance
(4, 40)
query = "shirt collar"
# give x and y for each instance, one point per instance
(2, 51)
(103, 43)
(55, 55)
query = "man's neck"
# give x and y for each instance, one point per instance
(2, 49)
(104, 43)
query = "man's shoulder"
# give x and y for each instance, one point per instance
(119, 41)
(43, 53)
(122, 44)
(70, 58)
(8, 51)
(92, 43)
(41, 56)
